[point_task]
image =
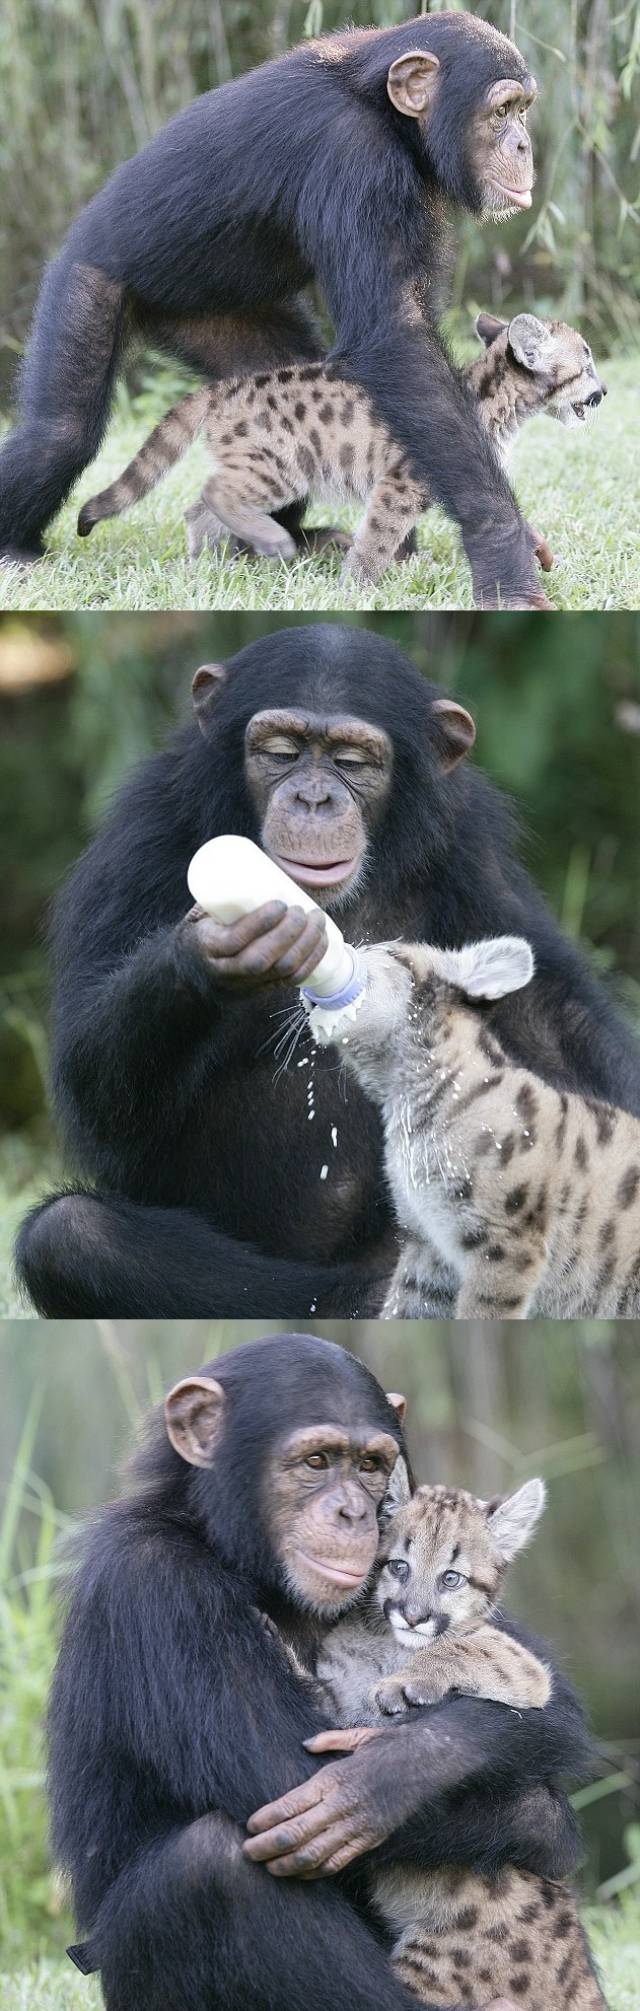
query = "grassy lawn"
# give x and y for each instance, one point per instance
(581, 488)
(615, 1936)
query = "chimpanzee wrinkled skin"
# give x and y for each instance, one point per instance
(208, 1198)
(175, 1715)
(305, 169)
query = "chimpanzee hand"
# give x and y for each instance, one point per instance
(273, 946)
(344, 1810)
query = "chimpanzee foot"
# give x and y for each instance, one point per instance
(22, 556)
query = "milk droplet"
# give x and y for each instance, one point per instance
(323, 1172)
(334, 1136)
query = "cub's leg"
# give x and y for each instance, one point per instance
(205, 532)
(486, 1663)
(392, 509)
(499, 1282)
(242, 513)
(421, 1288)
(514, 1936)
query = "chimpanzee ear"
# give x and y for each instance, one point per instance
(455, 733)
(398, 1492)
(511, 1523)
(194, 1417)
(530, 341)
(488, 327)
(412, 81)
(398, 1404)
(488, 970)
(205, 690)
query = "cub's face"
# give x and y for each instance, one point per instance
(569, 363)
(443, 1558)
(439, 1568)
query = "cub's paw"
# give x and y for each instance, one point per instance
(389, 1697)
(418, 1693)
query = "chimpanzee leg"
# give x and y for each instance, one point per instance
(65, 395)
(80, 1255)
(190, 1925)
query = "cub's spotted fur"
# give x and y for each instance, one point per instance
(459, 1937)
(518, 1199)
(281, 435)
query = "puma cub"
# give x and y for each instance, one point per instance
(304, 430)
(518, 1199)
(459, 1936)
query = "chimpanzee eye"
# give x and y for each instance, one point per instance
(317, 1460)
(450, 1578)
(370, 1463)
(502, 111)
(398, 1567)
(279, 748)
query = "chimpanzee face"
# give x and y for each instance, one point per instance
(500, 155)
(319, 1487)
(322, 1489)
(319, 786)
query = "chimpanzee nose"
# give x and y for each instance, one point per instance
(353, 1509)
(315, 793)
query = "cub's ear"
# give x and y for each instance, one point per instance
(205, 690)
(511, 1523)
(530, 341)
(488, 326)
(398, 1492)
(194, 1417)
(490, 969)
(455, 732)
(412, 82)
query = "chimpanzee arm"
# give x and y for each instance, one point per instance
(376, 248)
(405, 1796)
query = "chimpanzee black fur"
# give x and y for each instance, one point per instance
(165, 1090)
(174, 1716)
(301, 170)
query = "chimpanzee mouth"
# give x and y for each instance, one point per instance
(314, 873)
(515, 198)
(350, 1580)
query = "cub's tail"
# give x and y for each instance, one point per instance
(164, 446)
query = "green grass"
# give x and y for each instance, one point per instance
(50, 1986)
(581, 488)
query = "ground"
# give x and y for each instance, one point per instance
(580, 487)
(52, 1986)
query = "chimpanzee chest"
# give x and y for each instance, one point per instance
(287, 1158)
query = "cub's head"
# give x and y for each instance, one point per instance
(558, 363)
(408, 984)
(444, 1555)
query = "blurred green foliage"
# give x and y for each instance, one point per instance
(89, 85)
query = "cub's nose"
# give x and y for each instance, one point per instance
(597, 396)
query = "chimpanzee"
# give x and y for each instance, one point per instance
(338, 163)
(331, 751)
(177, 1722)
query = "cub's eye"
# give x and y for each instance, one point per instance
(449, 1579)
(399, 1568)
(318, 1461)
